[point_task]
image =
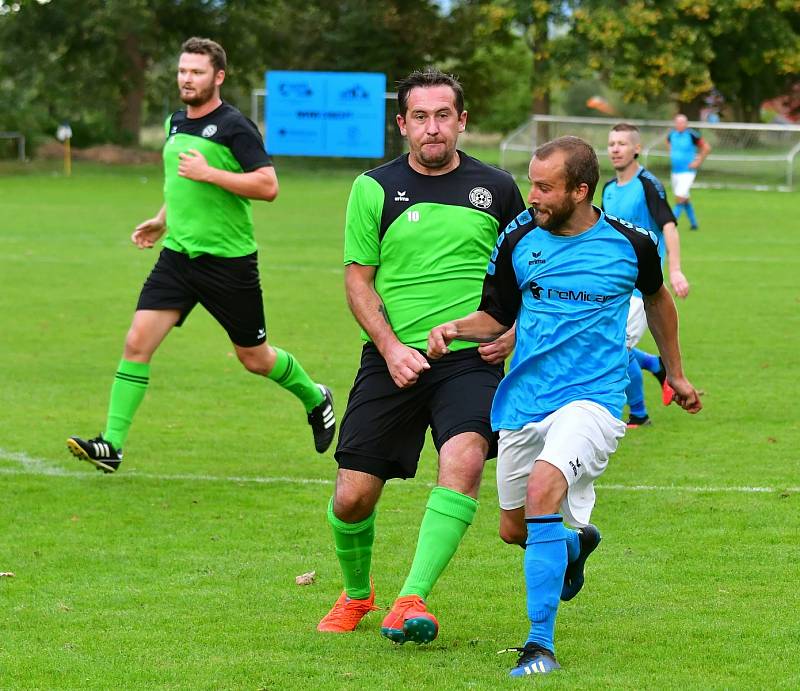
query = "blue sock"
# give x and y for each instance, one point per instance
(690, 213)
(646, 361)
(635, 389)
(573, 544)
(545, 564)
(678, 210)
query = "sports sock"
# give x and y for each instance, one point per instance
(634, 391)
(652, 363)
(289, 374)
(545, 564)
(127, 391)
(573, 544)
(354, 550)
(690, 213)
(447, 517)
(678, 210)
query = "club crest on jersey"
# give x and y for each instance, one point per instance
(401, 196)
(209, 130)
(173, 129)
(480, 197)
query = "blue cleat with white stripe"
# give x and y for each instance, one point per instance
(534, 659)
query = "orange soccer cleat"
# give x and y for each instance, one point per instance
(346, 613)
(409, 620)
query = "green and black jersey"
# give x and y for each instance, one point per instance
(204, 218)
(430, 237)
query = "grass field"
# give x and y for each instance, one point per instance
(178, 572)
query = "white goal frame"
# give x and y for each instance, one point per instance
(781, 153)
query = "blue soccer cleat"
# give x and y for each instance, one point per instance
(589, 537)
(534, 659)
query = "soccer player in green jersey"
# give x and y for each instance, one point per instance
(418, 236)
(214, 164)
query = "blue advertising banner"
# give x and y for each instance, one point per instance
(325, 113)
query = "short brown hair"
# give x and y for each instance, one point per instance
(205, 46)
(430, 76)
(580, 161)
(625, 127)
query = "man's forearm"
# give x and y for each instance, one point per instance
(253, 185)
(370, 312)
(673, 243)
(479, 327)
(662, 319)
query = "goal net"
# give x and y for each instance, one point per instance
(743, 155)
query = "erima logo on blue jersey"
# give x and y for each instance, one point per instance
(536, 258)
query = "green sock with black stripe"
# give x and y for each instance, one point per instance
(289, 374)
(127, 391)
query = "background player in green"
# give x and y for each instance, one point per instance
(418, 236)
(214, 163)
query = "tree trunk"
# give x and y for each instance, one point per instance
(130, 116)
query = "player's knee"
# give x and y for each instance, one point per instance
(137, 346)
(254, 362)
(352, 508)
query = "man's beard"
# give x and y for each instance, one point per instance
(557, 217)
(199, 97)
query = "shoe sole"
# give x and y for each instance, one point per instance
(573, 577)
(419, 630)
(75, 449)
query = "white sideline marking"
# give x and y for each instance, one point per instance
(37, 466)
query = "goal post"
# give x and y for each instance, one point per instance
(12, 143)
(743, 155)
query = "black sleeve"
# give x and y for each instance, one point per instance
(501, 297)
(645, 245)
(513, 206)
(603, 193)
(656, 197)
(248, 146)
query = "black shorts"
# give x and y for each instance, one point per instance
(229, 288)
(383, 429)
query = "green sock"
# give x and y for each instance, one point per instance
(447, 517)
(354, 550)
(290, 374)
(127, 392)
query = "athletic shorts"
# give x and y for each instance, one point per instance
(577, 439)
(682, 183)
(637, 322)
(383, 429)
(229, 288)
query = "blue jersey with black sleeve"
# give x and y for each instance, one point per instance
(642, 201)
(569, 297)
(683, 149)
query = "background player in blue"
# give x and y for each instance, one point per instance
(687, 151)
(638, 196)
(565, 272)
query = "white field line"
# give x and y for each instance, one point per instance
(26, 465)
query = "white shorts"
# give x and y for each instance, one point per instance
(682, 183)
(637, 322)
(577, 439)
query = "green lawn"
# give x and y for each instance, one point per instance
(178, 572)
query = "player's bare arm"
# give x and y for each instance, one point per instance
(478, 327)
(147, 233)
(703, 149)
(662, 319)
(405, 364)
(261, 183)
(498, 350)
(676, 278)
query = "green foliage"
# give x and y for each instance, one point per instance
(178, 572)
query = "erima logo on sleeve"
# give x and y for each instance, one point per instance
(209, 130)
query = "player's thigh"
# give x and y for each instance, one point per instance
(148, 329)
(383, 428)
(637, 322)
(462, 389)
(579, 439)
(168, 287)
(230, 289)
(516, 453)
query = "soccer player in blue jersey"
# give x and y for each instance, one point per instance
(638, 196)
(564, 271)
(687, 151)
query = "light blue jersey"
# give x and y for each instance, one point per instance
(569, 297)
(683, 149)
